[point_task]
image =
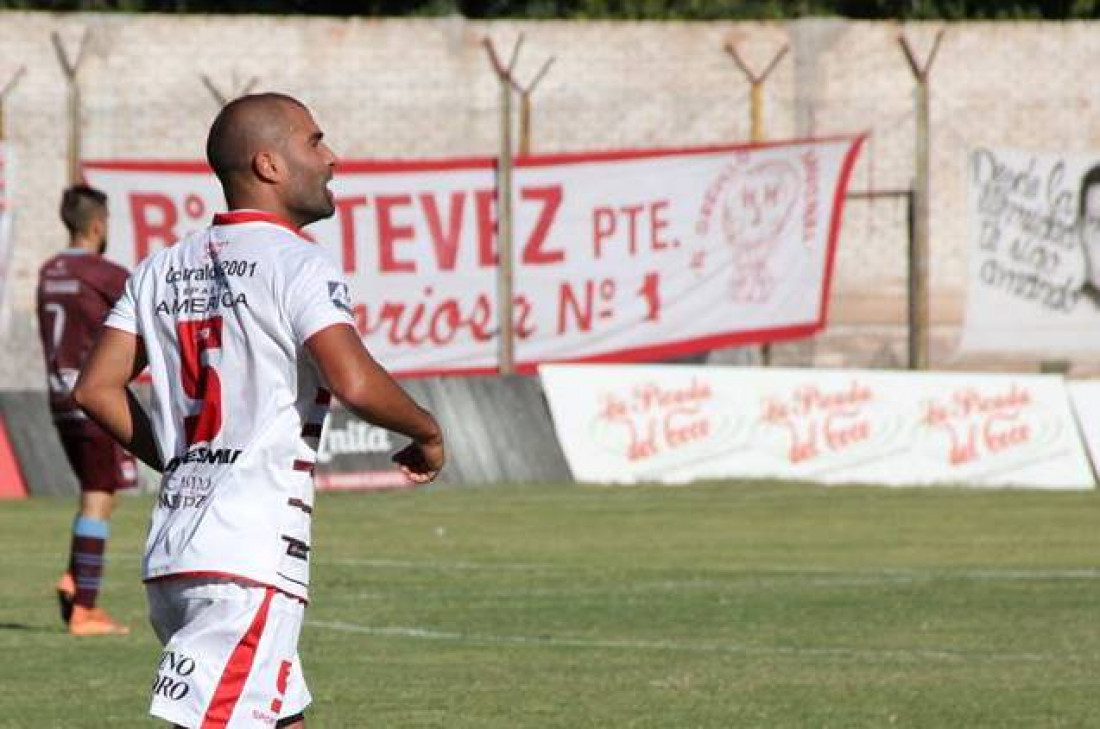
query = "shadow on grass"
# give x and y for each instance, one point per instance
(27, 628)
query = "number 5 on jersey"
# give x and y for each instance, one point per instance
(200, 379)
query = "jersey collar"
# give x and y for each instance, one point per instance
(235, 217)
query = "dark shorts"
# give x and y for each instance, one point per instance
(100, 464)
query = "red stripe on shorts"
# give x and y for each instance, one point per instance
(235, 675)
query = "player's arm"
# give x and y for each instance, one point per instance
(367, 390)
(102, 392)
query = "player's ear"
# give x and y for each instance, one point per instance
(100, 229)
(268, 166)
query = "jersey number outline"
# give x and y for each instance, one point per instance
(200, 379)
(58, 328)
(60, 380)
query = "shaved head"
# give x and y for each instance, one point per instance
(268, 153)
(245, 127)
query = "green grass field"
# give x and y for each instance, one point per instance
(733, 605)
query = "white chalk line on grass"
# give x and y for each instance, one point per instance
(679, 646)
(460, 565)
(822, 575)
(716, 577)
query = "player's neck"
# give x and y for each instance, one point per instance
(262, 203)
(83, 243)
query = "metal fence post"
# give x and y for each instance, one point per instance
(4, 92)
(236, 90)
(756, 120)
(920, 300)
(506, 261)
(71, 68)
(506, 359)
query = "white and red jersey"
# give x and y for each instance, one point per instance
(237, 403)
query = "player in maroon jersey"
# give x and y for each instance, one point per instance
(76, 290)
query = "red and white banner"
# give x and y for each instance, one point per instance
(623, 424)
(619, 256)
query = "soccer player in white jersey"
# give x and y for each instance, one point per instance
(246, 330)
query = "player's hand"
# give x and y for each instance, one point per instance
(421, 462)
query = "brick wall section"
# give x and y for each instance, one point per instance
(423, 88)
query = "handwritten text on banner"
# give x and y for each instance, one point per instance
(1034, 252)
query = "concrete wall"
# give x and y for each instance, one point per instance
(423, 88)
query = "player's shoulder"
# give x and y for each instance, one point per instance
(111, 267)
(297, 254)
(106, 269)
(81, 266)
(50, 265)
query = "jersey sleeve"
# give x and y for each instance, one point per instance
(107, 278)
(317, 297)
(123, 315)
(114, 282)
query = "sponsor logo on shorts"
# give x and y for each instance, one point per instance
(339, 295)
(171, 680)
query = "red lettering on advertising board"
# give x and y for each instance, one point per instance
(1002, 432)
(445, 242)
(155, 218)
(390, 233)
(396, 224)
(659, 420)
(486, 204)
(523, 310)
(683, 427)
(657, 223)
(535, 252)
(843, 431)
(820, 422)
(634, 228)
(650, 292)
(345, 214)
(581, 305)
(603, 226)
(979, 425)
(429, 321)
(580, 309)
(402, 219)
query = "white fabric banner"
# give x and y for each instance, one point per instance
(1085, 396)
(7, 164)
(1034, 248)
(629, 424)
(633, 255)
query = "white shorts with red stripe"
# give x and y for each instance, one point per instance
(230, 654)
